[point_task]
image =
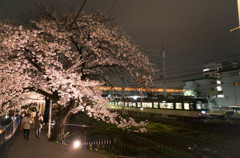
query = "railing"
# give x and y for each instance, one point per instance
(123, 143)
(7, 135)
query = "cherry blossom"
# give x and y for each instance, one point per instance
(64, 60)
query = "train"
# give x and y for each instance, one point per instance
(166, 106)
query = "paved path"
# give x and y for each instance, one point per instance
(41, 148)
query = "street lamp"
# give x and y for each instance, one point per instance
(76, 144)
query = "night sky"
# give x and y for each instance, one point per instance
(192, 31)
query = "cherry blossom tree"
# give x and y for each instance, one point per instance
(63, 57)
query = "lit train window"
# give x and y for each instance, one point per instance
(170, 105)
(146, 105)
(186, 106)
(130, 104)
(121, 103)
(155, 104)
(178, 105)
(198, 106)
(139, 104)
(163, 105)
(149, 105)
(192, 106)
(134, 104)
(205, 106)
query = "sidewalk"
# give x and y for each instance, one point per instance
(41, 148)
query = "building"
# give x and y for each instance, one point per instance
(220, 83)
(230, 95)
(201, 87)
(212, 69)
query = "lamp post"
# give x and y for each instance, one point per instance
(50, 119)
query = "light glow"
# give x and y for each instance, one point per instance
(205, 70)
(219, 88)
(220, 95)
(135, 97)
(76, 144)
(108, 88)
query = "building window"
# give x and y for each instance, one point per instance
(205, 70)
(220, 96)
(219, 88)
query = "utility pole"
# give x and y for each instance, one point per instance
(163, 66)
(164, 69)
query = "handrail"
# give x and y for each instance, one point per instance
(7, 135)
(9, 125)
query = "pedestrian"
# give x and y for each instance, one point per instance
(38, 124)
(26, 122)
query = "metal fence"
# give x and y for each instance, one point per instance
(123, 143)
(7, 135)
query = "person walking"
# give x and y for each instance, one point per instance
(38, 124)
(26, 122)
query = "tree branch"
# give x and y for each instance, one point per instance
(79, 11)
(53, 96)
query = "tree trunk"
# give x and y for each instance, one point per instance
(57, 130)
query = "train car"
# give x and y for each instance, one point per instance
(185, 106)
